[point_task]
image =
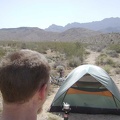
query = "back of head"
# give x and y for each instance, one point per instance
(21, 74)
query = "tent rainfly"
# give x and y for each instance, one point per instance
(88, 89)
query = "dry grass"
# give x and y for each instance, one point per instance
(54, 117)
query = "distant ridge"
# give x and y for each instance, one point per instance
(105, 31)
(26, 34)
(29, 34)
(112, 23)
(55, 28)
(76, 34)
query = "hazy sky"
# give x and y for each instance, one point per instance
(43, 13)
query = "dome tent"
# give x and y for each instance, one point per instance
(88, 89)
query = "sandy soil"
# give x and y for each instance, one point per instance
(92, 57)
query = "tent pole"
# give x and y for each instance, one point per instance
(114, 100)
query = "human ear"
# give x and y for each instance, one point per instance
(42, 92)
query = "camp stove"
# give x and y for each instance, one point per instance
(66, 109)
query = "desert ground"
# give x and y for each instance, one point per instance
(50, 116)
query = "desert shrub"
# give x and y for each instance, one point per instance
(74, 62)
(38, 46)
(2, 52)
(74, 49)
(107, 68)
(23, 46)
(58, 64)
(115, 47)
(97, 47)
(100, 48)
(112, 53)
(103, 55)
(109, 61)
(68, 48)
(118, 64)
(87, 52)
(117, 70)
(59, 68)
(103, 59)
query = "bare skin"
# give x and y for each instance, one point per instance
(27, 110)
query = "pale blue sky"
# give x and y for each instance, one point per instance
(43, 13)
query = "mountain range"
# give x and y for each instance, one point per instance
(106, 25)
(93, 32)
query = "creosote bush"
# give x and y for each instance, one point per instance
(74, 52)
(74, 62)
(103, 59)
(59, 68)
(107, 68)
(117, 70)
(115, 47)
(2, 52)
(112, 53)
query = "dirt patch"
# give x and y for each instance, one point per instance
(91, 58)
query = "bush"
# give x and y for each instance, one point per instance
(112, 53)
(117, 70)
(23, 46)
(59, 68)
(109, 61)
(107, 68)
(115, 47)
(2, 52)
(74, 62)
(103, 59)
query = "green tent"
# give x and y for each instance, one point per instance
(88, 89)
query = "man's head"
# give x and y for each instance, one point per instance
(22, 74)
